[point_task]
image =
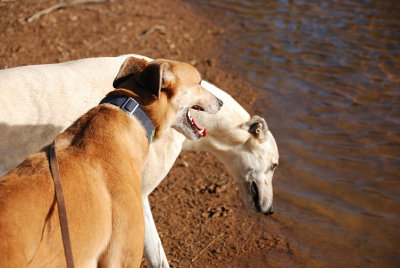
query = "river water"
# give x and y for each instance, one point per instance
(329, 73)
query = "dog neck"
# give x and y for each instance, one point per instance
(150, 105)
(131, 106)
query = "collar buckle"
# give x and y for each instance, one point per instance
(130, 106)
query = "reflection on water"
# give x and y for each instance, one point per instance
(330, 76)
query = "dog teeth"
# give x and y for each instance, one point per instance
(190, 116)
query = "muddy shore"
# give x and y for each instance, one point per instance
(198, 203)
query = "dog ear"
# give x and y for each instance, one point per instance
(156, 76)
(130, 67)
(257, 126)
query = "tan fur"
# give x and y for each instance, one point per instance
(101, 157)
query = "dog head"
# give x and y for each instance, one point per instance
(166, 91)
(258, 161)
(250, 153)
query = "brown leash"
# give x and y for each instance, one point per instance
(62, 213)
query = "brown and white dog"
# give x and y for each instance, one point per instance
(101, 157)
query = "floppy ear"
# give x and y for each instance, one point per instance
(155, 76)
(130, 67)
(257, 126)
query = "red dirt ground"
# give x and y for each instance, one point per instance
(198, 202)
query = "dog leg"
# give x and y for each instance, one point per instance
(125, 247)
(153, 249)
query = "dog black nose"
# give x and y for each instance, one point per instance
(270, 211)
(220, 102)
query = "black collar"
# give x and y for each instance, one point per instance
(131, 106)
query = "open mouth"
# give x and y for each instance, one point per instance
(255, 196)
(199, 130)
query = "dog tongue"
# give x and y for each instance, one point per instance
(201, 128)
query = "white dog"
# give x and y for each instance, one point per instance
(37, 102)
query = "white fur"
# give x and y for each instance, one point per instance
(36, 102)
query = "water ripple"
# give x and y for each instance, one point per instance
(330, 74)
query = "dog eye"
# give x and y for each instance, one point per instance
(274, 165)
(251, 174)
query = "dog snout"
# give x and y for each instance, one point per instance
(220, 102)
(270, 211)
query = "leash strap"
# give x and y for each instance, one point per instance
(131, 106)
(62, 213)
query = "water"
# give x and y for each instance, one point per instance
(329, 73)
